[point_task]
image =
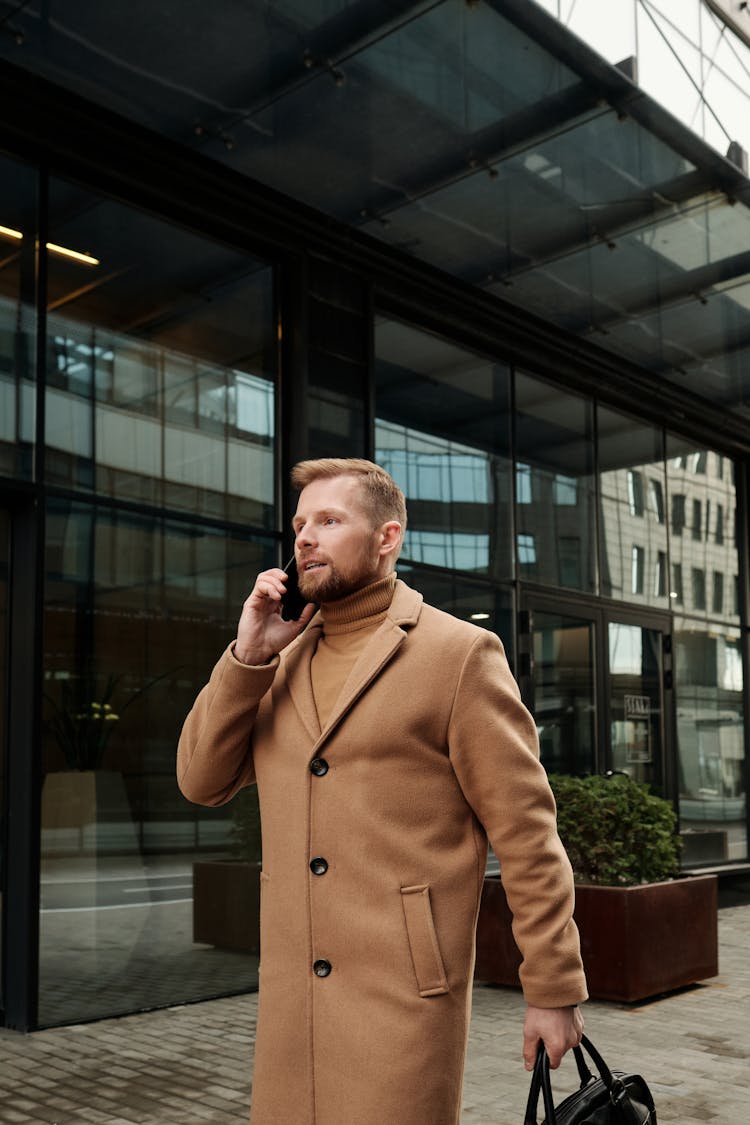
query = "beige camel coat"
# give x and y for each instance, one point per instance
(427, 752)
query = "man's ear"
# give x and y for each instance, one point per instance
(390, 537)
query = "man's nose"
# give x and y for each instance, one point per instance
(304, 536)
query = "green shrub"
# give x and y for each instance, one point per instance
(615, 831)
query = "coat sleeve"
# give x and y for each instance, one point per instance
(214, 754)
(494, 749)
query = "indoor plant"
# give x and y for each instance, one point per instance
(86, 794)
(644, 930)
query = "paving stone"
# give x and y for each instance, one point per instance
(192, 1065)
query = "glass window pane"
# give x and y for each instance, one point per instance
(554, 438)
(484, 605)
(17, 318)
(635, 679)
(702, 544)
(442, 432)
(339, 324)
(137, 611)
(709, 679)
(632, 518)
(564, 699)
(4, 621)
(161, 361)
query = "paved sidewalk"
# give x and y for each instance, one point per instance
(192, 1064)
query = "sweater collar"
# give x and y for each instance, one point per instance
(363, 607)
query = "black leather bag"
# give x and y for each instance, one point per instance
(614, 1098)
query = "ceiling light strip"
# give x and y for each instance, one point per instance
(63, 251)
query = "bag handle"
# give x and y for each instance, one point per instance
(540, 1081)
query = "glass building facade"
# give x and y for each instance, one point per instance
(183, 316)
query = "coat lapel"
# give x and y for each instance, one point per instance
(370, 663)
(405, 609)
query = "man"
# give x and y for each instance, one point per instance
(387, 740)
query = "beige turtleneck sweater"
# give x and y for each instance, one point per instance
(348, 625)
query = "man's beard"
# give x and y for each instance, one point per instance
(337, 584)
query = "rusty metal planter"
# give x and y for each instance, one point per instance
(636, 942)
(226, 904)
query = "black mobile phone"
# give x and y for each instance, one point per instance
(292, 602)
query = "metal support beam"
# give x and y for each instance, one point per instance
(323, 48)
(22, 833)
(476, 155)
(614, 220)
(675, 290)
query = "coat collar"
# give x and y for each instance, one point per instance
(402, 614)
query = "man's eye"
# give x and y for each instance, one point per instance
(329, 520)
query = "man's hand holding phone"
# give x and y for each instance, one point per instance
(263, 631)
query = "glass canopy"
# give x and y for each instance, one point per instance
(480, 136)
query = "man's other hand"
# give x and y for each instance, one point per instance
(558, 1028)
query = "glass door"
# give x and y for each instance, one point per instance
(635, 696)
(595, 682)
(563, 689)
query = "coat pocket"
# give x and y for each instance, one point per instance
(423, 942)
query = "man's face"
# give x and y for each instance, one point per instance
(336, 548)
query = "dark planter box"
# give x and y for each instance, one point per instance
(226, 904)
(636, 942)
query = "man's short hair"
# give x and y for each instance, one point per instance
(382, 499)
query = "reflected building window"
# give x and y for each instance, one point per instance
(660, 575)
(635, 493)
(564, 490)
(569, 560)
(17, 318)
(719, 531)
(636, 570)
(678, 513)
(454, 552)
(526, 550)
(554, 438)
(699, 588)
(697, 519)
(710, 557)
(709, 682)
(677, 593)
(443, 432)
(524, 479)
(656, 499)
(161, 367)
(632, 490)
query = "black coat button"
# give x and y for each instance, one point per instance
(319, 766)
(322, 968)
(318, 866)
